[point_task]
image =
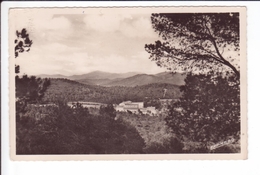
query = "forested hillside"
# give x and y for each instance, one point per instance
(68, 90)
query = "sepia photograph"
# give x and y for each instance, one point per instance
(111, 83)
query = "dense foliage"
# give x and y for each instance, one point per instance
(73, 130)
(209, 110)
(30, 88)
(69, 90)
(196, 41)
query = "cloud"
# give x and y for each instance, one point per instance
(57, 23)
(38, 20)
(126, 25)
(105, 23)
(141, 28)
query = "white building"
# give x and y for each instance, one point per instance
(135, 107)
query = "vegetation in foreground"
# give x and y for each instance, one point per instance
(66, 130)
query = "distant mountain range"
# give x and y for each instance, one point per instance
(92, 75)
(130, 79)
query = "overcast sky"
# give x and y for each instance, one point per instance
(82, 42)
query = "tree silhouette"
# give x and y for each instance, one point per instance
(23, 43)
(209, 110)
(28, 89)
(196, 41)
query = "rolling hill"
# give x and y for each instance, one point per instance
(144, 79)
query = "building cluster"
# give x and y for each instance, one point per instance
(135, 107)
(126, 106)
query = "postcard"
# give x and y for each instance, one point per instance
(128, 83)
